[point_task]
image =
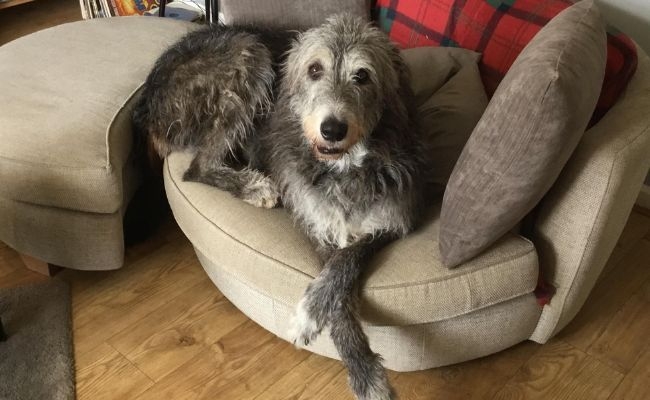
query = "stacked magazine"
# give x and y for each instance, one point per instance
(111, 8)
(189, 10)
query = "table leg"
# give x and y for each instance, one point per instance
(161, 8)
(212, 11)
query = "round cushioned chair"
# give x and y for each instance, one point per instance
(419, 314)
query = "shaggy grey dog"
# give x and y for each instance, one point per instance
(340, 146)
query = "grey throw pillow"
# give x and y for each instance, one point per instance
(529, 130)
(288, 14)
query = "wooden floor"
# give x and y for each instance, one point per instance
(158, 329)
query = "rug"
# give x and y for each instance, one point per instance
(36, 360)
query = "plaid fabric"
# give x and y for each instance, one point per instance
(499, 29)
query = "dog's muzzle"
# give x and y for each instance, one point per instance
(333, 131)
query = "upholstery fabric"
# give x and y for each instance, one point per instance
(528, 132)
(405, 284)
(404, 347)
(584, 213)
(65, 118)
(499, 29)
(451, 99)
(69, 238)
(288, 13)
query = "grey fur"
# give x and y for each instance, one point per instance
(210, 92)
(350, 196)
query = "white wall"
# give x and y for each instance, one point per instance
(631, 17)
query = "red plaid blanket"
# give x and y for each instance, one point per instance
(499, 29)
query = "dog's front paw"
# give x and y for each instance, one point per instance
(261, 193)
(304, 328)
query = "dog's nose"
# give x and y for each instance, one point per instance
(333, 130)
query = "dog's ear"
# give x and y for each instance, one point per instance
(293, 65)
(393, 73)
(401, 69)
(396, 85)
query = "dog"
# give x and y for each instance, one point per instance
(328, 128)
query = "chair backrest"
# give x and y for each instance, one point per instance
(289, 14)
(499, 29)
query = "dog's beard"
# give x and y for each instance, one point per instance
(325, 152)
(353, 157)
(328, 151)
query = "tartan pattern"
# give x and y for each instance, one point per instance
(499, 29)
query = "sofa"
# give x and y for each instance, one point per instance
(67, 176)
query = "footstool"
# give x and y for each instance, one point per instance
(65, 133)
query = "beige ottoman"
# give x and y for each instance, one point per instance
(65, 136)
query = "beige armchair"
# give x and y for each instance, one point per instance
(583, 215)
(418, 313)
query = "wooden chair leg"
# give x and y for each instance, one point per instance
(39, 266)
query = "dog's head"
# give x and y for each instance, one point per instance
(339, 79)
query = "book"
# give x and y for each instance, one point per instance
(115, 8)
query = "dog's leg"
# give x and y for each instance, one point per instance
(366, 375)
(252, 186)
(333, 297)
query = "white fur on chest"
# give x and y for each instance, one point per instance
(326, 221)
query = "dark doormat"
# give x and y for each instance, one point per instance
(36, 360)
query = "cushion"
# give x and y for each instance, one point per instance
(451, 99)
(405, 284)
(530, 128)
(499, 29)
(403, 348)
(65, 118)
(288, 14)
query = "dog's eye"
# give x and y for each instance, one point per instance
(315, 71)
(361, 76)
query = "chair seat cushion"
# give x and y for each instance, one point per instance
(65, 123)
(405, 284)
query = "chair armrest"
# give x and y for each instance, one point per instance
(582, 216)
